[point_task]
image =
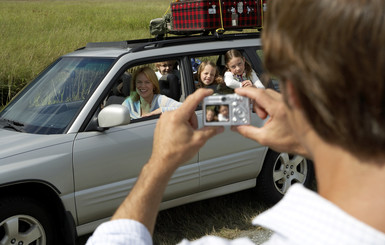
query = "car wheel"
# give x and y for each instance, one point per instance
(279, 172)
(24, 221)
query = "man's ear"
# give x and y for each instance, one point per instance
(291, 95)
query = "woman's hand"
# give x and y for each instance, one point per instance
(155, 112)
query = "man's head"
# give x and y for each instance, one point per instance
(333, 54)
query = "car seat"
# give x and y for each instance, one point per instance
(170, 86)
(120, 91)
(221, 65)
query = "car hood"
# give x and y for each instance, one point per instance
(14, 143)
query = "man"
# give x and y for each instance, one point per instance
(330, 58)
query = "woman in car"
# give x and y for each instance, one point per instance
(145, 98)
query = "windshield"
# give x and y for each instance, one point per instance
(49, 104)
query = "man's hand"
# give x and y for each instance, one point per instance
(176, 140)
(176, 137)
(276, 133)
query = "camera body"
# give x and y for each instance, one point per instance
(226, 109)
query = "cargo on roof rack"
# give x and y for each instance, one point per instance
(208, 16)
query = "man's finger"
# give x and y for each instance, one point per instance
(249, 131)
(192, 101)
(194, 121)
(205, 133)
(262, 97)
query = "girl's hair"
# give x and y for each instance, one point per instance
(217, 79)
(150, 74)
(233, 53)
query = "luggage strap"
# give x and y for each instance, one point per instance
(221, 29)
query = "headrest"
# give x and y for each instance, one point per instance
(122, 87)
(170, 86)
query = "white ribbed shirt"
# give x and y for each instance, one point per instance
(301, 217)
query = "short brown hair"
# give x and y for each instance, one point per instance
(150, 74)
(333, 51)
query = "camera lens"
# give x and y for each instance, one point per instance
(223, 99)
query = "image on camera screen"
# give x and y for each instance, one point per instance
(217, 113)
(226, 110)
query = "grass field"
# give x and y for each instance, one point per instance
(34, 33)
(227, 216)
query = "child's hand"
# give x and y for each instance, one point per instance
(247, 83)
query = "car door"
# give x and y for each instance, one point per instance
(229, 157)
(107, 164)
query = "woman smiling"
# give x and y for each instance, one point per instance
(146, 100)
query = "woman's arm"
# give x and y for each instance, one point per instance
(168, 104)
(154, 112)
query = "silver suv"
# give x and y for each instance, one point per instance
(69, 154)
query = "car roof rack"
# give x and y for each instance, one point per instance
(179, 40)
(137, 45)
(120, 44)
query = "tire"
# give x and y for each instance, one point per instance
(24, 220)
(279, 172)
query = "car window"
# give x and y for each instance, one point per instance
(54, 98)
(268, 81)
(132, 88)
(260, 54)
(218, 60)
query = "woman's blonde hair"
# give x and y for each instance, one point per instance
(150, 74)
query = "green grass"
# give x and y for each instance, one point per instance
(34, 33)
(227, 216)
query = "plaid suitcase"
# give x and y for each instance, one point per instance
(204, 15)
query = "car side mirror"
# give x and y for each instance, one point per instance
(114, 115)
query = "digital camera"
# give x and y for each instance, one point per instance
(226, 109)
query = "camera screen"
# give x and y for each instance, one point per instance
(217, 113)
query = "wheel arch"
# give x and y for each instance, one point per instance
(41, 190)
(266, 188)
